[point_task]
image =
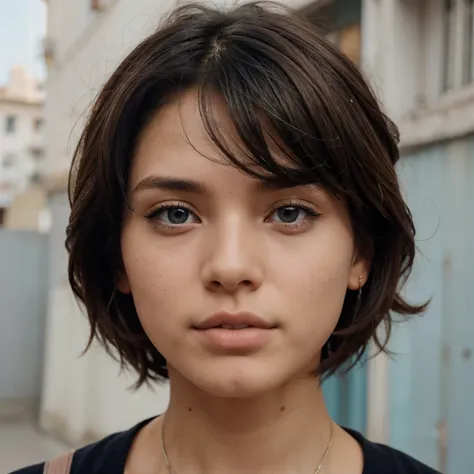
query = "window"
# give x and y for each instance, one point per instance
(449, 44)
(38, 124)
(468, 63)
(341, 21)
(99, 5)
(37, 154)
(458, 44)
(10, 124)
(8, 161)
(350, 42)
(35, 178)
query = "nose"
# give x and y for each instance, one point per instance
(233, 261)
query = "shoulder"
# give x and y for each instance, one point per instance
(380, 458)
(107, 455)
(36, 469)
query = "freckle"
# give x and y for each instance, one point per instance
(190, 409)
(283, 408)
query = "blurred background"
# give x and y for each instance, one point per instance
(54, 57)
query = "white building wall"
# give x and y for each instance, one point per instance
(17, 164)
(19, 99)
(84, 60)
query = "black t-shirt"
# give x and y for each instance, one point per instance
(109, 456)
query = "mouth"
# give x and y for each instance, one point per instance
(240, 333)
(234, 321)
(233, 327)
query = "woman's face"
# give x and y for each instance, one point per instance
(238, 285)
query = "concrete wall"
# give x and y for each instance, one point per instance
(83, 397)
(23, 290)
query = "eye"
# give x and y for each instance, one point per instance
(176, 215)
(292, 214)
(172, 215)
(289, 214)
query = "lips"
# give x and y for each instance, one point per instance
(234, 326)
(235, 333)
(234, 321)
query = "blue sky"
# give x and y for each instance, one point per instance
(22, 26)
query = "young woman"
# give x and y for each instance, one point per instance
(237, 227)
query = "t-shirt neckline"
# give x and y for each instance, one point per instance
(125, 444)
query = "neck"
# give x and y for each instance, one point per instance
(285, 430)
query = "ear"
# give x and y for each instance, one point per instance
(122, 284)
(359, 273)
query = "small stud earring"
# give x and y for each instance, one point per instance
(360, 285)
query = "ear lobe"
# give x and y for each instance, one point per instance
(361, 266)
(359, 274)
(123, 285)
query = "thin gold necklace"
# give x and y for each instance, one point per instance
(172, 471)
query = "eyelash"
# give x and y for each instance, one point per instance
(152, 215)
(311, 214)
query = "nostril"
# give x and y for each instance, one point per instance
(231, 286)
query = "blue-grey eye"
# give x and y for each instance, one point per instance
(176, 215)
(290, 214)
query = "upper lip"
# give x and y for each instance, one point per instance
(234, 319)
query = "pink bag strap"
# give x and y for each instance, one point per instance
(59, 465)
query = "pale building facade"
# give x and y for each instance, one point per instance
(418, 55)
(21, 137)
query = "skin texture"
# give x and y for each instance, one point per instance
(235, 252)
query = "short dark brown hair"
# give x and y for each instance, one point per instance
(282, 83)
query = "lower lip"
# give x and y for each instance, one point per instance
(241, 340)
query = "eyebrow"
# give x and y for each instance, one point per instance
(171, 184)
(195, 187)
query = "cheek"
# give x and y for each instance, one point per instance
(155, 277)
(316, 279)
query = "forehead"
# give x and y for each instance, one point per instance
(177, 143)
(175, 152)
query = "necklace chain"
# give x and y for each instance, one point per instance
(172, 471)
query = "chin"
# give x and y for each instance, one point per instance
(232, 388)
(237, 379)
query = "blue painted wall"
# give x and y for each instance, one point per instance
(346, 398)
(432, 376)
